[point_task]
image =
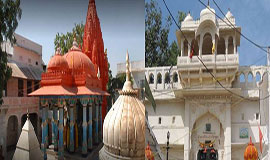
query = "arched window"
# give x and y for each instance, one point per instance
(258, 77)
(151, 78)
(175, 77)
(221, 46)
(159, 78)
(242, 77)
(167, 78)
(207, 44)
(230, 45)
(250, 77)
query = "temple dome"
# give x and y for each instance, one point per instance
(207, 11)
(124, 126)
(78, 61)
(188, 18)
(58, 62)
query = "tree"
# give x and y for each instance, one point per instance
(156, 35)
(158, 51)
(64, 41)
(10, 13)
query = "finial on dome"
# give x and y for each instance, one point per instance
(27, 113)
(128, 85)
(127, 67)
(75, 42)
(229, 9)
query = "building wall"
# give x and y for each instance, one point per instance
(12, 87)
(27, 57)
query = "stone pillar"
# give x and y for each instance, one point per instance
(182, 47)
(234, 45)
(96, 120)
(90, 129)
(226, 48)
(84, 143)
(47, 127)
(55, 128)
(189, 48)
(227, 135)
(187, 132)
(44, 131)
(61, 137)
(71, 129)
(200, 46)
(100, 118)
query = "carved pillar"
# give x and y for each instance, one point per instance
(187, 133)
(189, 48)
(90, 129)
(61, 138)
(227, 144)
(55, 128)
(100, 118)
(96, 120)
(44, 132)
(84, 143)
(71, 129)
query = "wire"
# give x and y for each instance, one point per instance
(240, 96)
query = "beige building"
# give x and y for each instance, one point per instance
(25, 59)
(193, 106)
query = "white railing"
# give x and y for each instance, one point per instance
(232, 58)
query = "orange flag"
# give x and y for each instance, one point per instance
(148, 153)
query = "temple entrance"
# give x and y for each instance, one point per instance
(207, 138)
(12, 133)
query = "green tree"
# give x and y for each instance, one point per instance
(10, 13)
(158, 50)
(156, 35)
(64, 41)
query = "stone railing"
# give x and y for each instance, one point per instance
(208, 59)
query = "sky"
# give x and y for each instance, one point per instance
(252, 16)
(122, 25)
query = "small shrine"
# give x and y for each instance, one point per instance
(74, 90)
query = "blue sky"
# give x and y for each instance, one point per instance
(122, 25)
(252, 16)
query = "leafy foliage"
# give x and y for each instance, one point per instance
(158, 51)
(64, 41)
(10, 13)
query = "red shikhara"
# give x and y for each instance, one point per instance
(93, 47)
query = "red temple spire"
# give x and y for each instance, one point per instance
(93, 47)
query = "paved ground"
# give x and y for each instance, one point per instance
(51, 155)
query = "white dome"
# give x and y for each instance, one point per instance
(124, 126)
(188, 18)
(207, 11)
(229, 15)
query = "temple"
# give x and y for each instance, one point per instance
(74, 89)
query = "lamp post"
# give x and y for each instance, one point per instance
(167, 148)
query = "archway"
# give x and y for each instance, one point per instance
(12, 132)
(207, 131)
(207, 44)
